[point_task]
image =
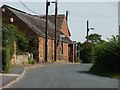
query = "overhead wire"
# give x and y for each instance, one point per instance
(28, 8)
(32, 10)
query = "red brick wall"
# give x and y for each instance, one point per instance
(64, 28)
(64, 56)
(65, 51)
(50, 49)
(41, 49)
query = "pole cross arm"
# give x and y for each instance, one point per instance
(48, 3)
(91, 28)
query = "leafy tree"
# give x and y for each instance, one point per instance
(33, 47)
(95, 38)
(22, 42)
(87, 48)
(85, 51)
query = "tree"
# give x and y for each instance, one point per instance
(95, 38)
(87, 48)
(85, 51)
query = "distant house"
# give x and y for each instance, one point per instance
(33, 26)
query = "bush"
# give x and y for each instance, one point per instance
(33, 48)
(30, 61)
(10, 34)
(78, 60)
(107, 57)
(7, 47)
(6, 60)
(85, 52)
(22, 42)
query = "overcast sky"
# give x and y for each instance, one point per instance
(103, 16)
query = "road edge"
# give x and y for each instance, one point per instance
(21, 75)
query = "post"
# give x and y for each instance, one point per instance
(56, 23)
(15, 48)
(60, 48)
(46, 30)
(87, 30)
(119, 30)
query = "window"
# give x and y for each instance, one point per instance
(3, 10)
(11, 20)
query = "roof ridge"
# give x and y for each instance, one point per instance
(29, 13)
(16, 9)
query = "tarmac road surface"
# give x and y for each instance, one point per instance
(64, 76)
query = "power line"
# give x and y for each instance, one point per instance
(28, 8)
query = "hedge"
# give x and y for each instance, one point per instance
(107, 57)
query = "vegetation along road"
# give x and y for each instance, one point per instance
(64, 76)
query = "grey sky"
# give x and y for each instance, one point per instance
(103, 16)
(119, 13)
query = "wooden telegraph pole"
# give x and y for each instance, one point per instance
(56, 24)
(46, 30)
(87, 29)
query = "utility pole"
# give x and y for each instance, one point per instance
(119, 30)
(87, 29)
(56, 26)
(46, 30)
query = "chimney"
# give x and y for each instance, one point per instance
(66, 15)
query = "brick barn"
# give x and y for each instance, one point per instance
(33, 26)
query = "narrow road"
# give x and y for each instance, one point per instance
(64, 76)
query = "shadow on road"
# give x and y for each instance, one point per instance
(91, 74)
(87, 73)
(84, 72)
